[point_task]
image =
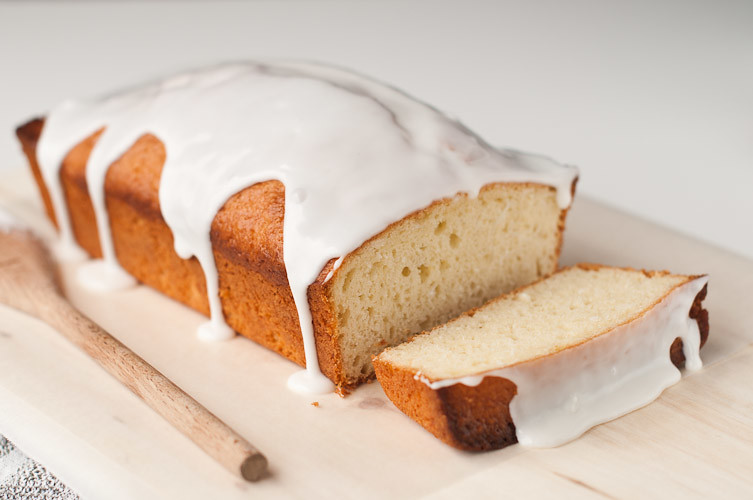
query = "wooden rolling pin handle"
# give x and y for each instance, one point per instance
(182, 411)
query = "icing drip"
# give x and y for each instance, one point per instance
(354, 156)
(563, 395)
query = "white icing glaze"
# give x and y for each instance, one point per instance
(354, 156)
(563, 395)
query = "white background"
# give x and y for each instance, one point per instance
(653, 100)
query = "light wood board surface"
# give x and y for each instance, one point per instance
(58, 406)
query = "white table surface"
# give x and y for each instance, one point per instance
(652, 99)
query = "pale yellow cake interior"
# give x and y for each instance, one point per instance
(433, 266)
(569, 307)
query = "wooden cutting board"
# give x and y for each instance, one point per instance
(58, 406)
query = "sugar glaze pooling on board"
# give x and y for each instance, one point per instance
(561, 396)
(317, 129)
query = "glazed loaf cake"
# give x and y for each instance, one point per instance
(543, 364)
(420, 269)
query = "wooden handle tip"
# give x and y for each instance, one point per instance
(254, 467)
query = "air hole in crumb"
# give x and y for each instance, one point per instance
(443, 265)
(406, 271)
(376, 268)
(440, 227)
(454, 240)
(348, 280)
(423, 271)
(343, 317)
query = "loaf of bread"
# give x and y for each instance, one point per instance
(417, 270)
(543, 364)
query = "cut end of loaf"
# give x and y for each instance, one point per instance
(439, 262)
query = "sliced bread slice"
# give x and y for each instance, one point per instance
(543, 364)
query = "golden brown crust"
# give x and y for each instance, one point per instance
(478, 418)
(415, 399)
(76, 194)
(28, 135)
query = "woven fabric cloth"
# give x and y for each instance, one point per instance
(21, 478)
